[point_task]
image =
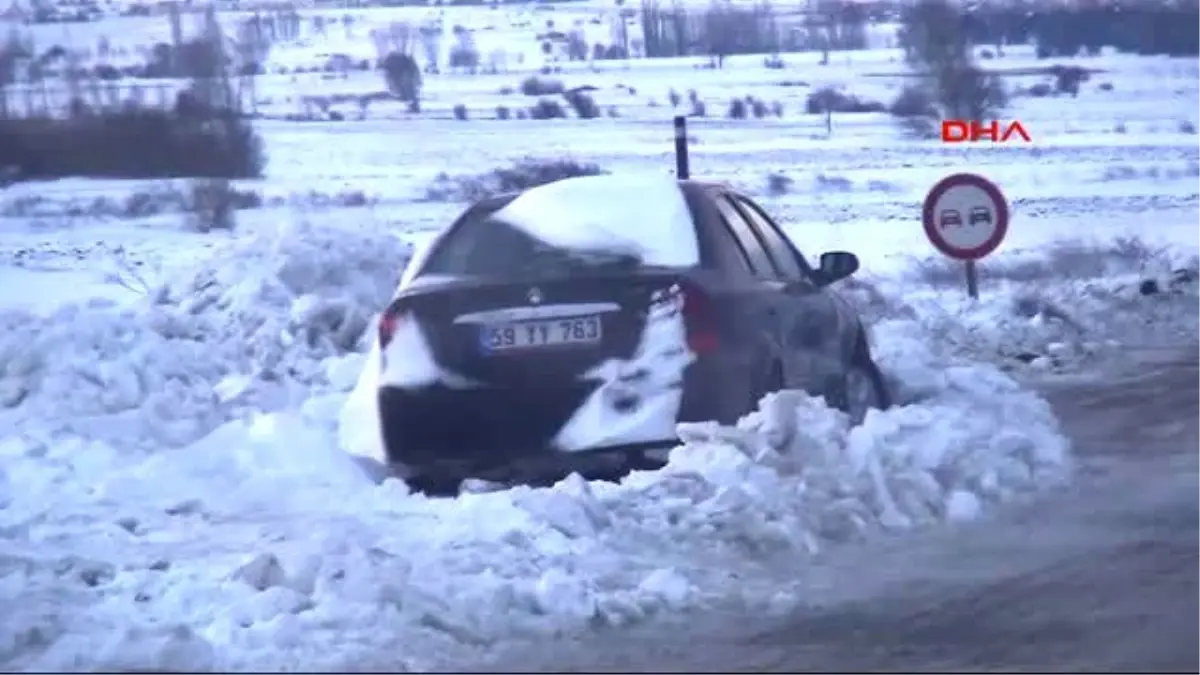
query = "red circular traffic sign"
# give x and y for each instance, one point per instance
(965, 216)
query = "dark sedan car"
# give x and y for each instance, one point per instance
(577, 322)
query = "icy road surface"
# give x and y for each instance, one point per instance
(1101, 578)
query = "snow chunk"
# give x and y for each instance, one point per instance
(564, 595)
(175, 649)
(342, 371)
(572, 509)
(666, 586)
(261, 572)
(962, 506)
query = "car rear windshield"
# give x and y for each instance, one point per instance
(482, 245)
(610, 221)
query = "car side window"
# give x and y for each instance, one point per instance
(760, 261)
(785, 254)
(729, 253)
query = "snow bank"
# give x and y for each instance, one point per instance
(1065, 324)
(262, 546)
(247, 328)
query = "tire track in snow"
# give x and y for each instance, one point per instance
(1102, 577)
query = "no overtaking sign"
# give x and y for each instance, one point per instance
(965, 217)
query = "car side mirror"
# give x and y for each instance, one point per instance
(835, 266)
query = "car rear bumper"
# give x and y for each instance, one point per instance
(481, 427)
(437, 426)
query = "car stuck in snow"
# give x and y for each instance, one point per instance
(571, 326)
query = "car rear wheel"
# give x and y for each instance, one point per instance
(428, 483)
(434, 484)
(772, 383)
(863, 387)
(864, 390)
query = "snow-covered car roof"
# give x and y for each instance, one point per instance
(644, 215)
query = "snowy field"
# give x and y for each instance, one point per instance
(172, 490)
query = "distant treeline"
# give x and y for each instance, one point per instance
(675, 29)
(1172, 29)
(671, 28)
(133, 142)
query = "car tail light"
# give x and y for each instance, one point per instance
(700, 318)
(388, 323)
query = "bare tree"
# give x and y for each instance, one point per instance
(212, 198)
(431, 46)
(252, 46)
(403, 77)
(937, 48)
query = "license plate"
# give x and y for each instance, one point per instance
(537, 334)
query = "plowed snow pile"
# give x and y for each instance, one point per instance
(259, 545)
(248, 329)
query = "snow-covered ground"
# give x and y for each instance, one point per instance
(172, 490)
(156, 517)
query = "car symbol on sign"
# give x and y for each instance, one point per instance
(950, 217)
(980, 214)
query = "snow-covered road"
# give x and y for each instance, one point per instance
(1100, 578)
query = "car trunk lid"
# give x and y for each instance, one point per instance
(537, 332)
